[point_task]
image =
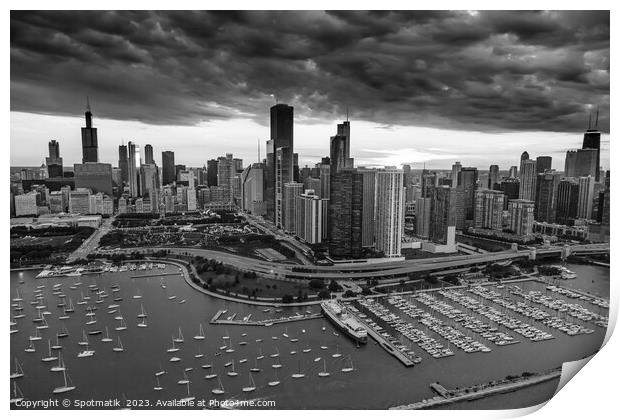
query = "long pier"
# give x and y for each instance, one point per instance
(138, 276)
(262, 323)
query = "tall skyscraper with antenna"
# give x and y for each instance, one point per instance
(592, 140)
(90, 147)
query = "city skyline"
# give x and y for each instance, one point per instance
(549, 67)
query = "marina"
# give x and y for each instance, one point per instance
(300, 343)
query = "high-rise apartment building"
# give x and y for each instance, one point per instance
(345, 213)
(368, 206)
(567, 201)
(442, 227)
(521, 216)
(467, 182)
(311, 220)
(493, 183)
(225, 175)
(390, 212)
(546, 193)
(488, 209)
(586, 197)
(291, 191)
(527, 187)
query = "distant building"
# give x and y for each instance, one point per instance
(467, 182)
(543, 164)
(90, 146)
(93, 175)
(493, 183)
(133, 169)
(212, 172)
(225, 174)
(527, 178)
(252, 189)
(546, 193)
(168, 169)
(524, 156)
(454, 174)
(122, 163)
(581, 162)
(512, 173)
(510, 187)
(586, 197)
(567, 201)
(442, 228)
(148, 155)
(26, 204)
(54, 161)
(79, 201)
(592, 140)
(423, 217)
(368, 206)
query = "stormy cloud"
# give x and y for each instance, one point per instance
(488, 71)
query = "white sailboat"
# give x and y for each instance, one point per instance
(232, 371)
(260, 354)
(66, 387)
(119, 346)
(107, 338)
(86, 353)
(49, 357)
(122, 326)
(43, 326)
(324, 373)
(185, 379)
(142, 313)
(220, 390)
(337, 354)
(57, 346)
(63, 332)
(61, 365)
(251, 386)
(174, 348)
(276, 354)
(298, 375)
(348, 368)
(210, 375)
(201, 334)
(189, 397)
(92, 320)
(157, 387)
(276, 381)
(84, 341)
(160, 372)
(18, 395)
(138, 295)
(200, 354)
(19, 372)
(255, 368)
(179, 338)
(30, 348)
(142, 323)
(36, 336)
(277, 364)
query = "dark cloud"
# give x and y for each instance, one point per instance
(492, 71)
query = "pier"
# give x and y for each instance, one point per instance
(475, 392)
(262, 323)
(138, 276)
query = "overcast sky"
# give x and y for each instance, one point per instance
(421, 86)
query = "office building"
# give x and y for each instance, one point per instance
(524, 156)
(149, 178)
(54, 161)
(543, 164)
(56, 202)
(368, 206)
(283, 172)
(122, 163)
(95, 176)
(26, 204)
(488, 209)
(521, 216)
(279, 159)
(493, 182)
(345, 214)
(79, 201)
(270, 181)
(592, 140)
(225, 174)
(512, 172)
(454, 174)
(344, 130)
(324, 176)
(546, 193)
(442, 226)
(390, 211)
(252, 189)
(567, 201)
(133, 168)
(148, 155)
(212, 172)
(90, 147)
(527, 178)
(168, 170)
(467, 182)
(586, 197)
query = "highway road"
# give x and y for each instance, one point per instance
(92, 242)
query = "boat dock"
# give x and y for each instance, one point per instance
(137, 276)
(390, 349)
(217, 319)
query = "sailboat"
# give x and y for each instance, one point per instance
(138, 295)
(30, 348)
(220, 390)
(43, 326)
(84, 341)
(180, 338)
(121, 327)
(255, 368)
(276, 354)
(119, 346)
(157, 387)
(36, 336)
(142, 323)
(107, 338)
(86, 352)
(119, 317)
(18, 395)
(49, 357)
(308, 350)
(276, 381)
(188, 398)
(18, 298)
(229, 348)
(63, 332)
(142, 313)
(92, 320)
(66, 387)
(251, 386)
(211, 375)
(56, 346)
(260, 354)
(298, 375)
(285, 333)
(200, 354)
(277, 364)
(323, 347)
(337, 354)
(201, 334)
(174, 359)
(19, 372)
(174, 348)
(185, 379)
(61, 365)
(160, 372)
(324, 373)
(232, 372)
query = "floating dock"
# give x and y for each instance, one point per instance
(262, 323)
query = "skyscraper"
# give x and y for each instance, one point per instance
(311, 221)
(212, 172)
(512, 173)
(54, 161)
(488, 209)
(442, 227)
(122, 163)
(493, 183)
(543, 163)
(423, 217)
(148, 154)
(390, 212)
(581, 162)
(281, 119)
(337, 153)
(225, 175)
(454, 174)
(270, 181)
(527, 188)
(567, 201)
(94, 176)
(345, 214)
(521, 216)
(546, 192)
(586, 197)
(368, 206)
(90, 147)
(169, 174)
(524, 156)
(467, 181)
(133, 166)
(344, 130)
(592, 140)
(291, 191)
(252, 198)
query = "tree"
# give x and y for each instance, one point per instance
(287, 299)
(316, 284)
(334, 286)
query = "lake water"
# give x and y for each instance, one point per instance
(379, 381)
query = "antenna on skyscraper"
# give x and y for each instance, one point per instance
(347, 114)
(596, 124)
(590, 121)
(87, 104)
(258, 144)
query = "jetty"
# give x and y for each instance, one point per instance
(217, 319)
